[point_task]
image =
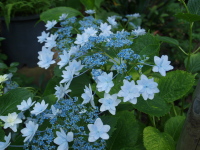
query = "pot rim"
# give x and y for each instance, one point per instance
(22, 18)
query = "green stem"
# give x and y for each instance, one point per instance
(174, 109)
(152, 119)
(185, 5)
(190, 45)
(196, 50)
(182, 50)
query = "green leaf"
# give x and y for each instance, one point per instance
(50, 87)
(194, 64)
(50, 99)
(89, 4)
(146, 45)
(78, 84)
(10, 100)
(168, 40)
(126, 133)
(173, 126)
(12, 69)
(188, 17)
(98, 3)
(54, 13)
(194, 6)
(111, 121)
(2, 134)
(156, 107)
(3, 56)
(175, 85)
(155, 140)
(3, 66)
(2, 38)
(14, 64)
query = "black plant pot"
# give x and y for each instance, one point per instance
(21, 43)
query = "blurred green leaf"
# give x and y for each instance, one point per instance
(126, 133)
(194, 6)
(3, 66)
(54, 13)
(173, 126)
(12, 69)
(98, 3)
(188, 17)
(14, 64)
(89, 4)
(168, 40)
(194, 64)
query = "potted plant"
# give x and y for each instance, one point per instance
(20, 27)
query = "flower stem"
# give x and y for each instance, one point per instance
(174, 109)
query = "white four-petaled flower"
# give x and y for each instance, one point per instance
(62, 90)
(64, 59)
(54, 112)
(43, 37)
(139, 31)
(25, 104)
(149, 87)
(90, 12)
(129, 91)
(162, 65)
(109, 102)
(112, 21)
(29, 131)
(63, 17)
(62, 139)
(88, 96)
(104, 82)
(98, 130)
(105, 28)
(81, 39)
(12, 120)
(45, 58)
(39, 108)
(4, 145)
(50, 24)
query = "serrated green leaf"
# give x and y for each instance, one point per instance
(89, 4)
(111, 121)
(54, 13)
(173, 126)
(175, 85)
(156, 107)
(188, 17)
(155, 140)
(194, 64)
(126, 133)
(168, 40)
(194, 6)
(147, 45)
(10, 100)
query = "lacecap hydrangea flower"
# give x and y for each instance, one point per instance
(4, 145)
